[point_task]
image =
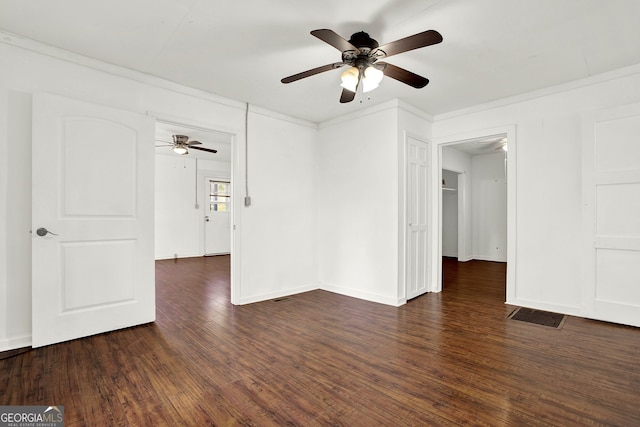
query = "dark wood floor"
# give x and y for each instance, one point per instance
(324, 359)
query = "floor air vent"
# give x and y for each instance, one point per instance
(538, 317)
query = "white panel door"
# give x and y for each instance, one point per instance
(417, 216)
(217, 224)
(611, 212)
(93, 187)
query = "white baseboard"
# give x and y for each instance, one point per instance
(355, 293)
(489, 258)
(163, 257)
(540, 305)
(277, 294)
(15, 342)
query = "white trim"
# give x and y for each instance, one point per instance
(394, 103)
(402, 215)
(278, 294)
(116, 70)
(15, 342)
(414, 110)
(355, 293)
(486, 258)
(539, 305)
(188, 122)
(540, 93)
(284, 117)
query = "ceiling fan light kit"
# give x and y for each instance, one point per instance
(362, 55)
(181, 145)
(372, 78)
(350, 79)
(180, 149)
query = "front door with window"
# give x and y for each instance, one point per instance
(217, 217)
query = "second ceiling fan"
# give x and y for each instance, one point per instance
(363, 56)
(181, 145)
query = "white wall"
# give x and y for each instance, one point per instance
(548, 184)
(358, 206)
(179, 224)
(281, 222)
(278, 223)
(489, 207)
(360, 194)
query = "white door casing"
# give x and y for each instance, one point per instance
(611, 215)
(93, 187)
(418, 171)
(217, 224)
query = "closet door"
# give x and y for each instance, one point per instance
(417, 217)
(611, 213)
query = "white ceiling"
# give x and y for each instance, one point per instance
(480, 146)
(241, 49)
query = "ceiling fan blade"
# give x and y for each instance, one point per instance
(416, 41)
(209, 150)
(330, 37)
(190, 143)
(165, 145)
(312, 72)
(404, 76)
(347, 96)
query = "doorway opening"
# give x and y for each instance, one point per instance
(453, 214)
(477, 202)
(185, 226)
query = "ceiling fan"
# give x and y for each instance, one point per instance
(363, 54)
(181, 145)
(497, 143)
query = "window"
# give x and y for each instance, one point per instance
(219, 196)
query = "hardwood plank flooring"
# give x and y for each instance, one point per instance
(320, 358)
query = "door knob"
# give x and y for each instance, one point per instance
(43, 232)
(206, 218)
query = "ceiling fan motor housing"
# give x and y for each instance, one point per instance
(180, 139)
(363, 41)
(366, 45)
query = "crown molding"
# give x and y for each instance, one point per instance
(116, 70)
(283, 117)
(394, 103)
(540, 93)
(415, 110)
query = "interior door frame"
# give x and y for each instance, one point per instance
(449, 140)
(235, 176)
